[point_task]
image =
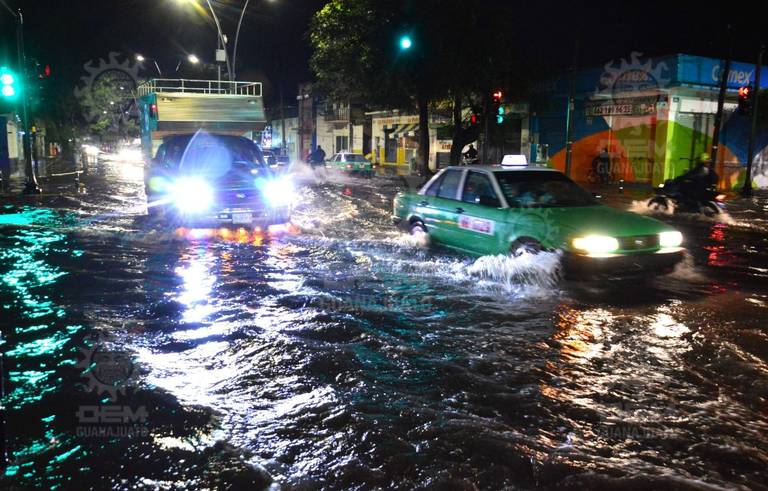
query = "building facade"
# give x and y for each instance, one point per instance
(654, 116)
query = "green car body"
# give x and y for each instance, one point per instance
(353, 163)
(489, 210)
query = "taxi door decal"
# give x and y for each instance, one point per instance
(476, 225)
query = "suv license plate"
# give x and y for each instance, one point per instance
(239, 218)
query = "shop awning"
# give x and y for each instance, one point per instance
(401, 130)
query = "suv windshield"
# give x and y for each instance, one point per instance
(203, 150)
(541, 190)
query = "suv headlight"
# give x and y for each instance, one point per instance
(670, 239)
(191, 194)
(279, 192)
(596, 244)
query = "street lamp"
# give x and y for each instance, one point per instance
(141, 59)
(193, 59)
(222, 40)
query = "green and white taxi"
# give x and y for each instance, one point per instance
(503, 209)
(353, 163)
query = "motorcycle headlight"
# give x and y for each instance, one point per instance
(191, 195)
(596, 244)
(279, 192)
(670, 239)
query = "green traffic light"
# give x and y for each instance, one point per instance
(405, 43)
(8, 83)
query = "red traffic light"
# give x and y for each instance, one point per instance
(745, 92)
(473, 119)
(497, 96)
(47, 71)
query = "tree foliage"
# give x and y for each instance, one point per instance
(462, 50)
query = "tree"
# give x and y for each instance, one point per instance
(109, 106)
(453, 57)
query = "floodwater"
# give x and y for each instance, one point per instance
(338, 353)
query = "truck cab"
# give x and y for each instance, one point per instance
(202, 166)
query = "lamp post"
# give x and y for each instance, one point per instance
(221, 39)
(237, 37)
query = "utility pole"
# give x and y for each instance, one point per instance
(569, 111)
(726, 70)
(486, 125)
(747, 189)
(31, 187)
(282, 122)
(3, 450)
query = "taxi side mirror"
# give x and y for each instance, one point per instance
(489, 201)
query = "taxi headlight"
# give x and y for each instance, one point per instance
(191, 194)
(670, 239)
(596, 244)
(279, 192)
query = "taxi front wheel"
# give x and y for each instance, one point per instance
(525, 246)
(418, 229)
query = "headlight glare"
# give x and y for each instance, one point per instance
(279, 192)
(670, 239)
(191, 195)
(596, 244)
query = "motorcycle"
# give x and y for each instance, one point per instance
(672, 196)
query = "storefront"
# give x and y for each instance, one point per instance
(395, 137)
(654, 117)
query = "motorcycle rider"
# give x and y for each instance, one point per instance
(470, 156)
(699, 181)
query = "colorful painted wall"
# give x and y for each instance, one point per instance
(655, 117)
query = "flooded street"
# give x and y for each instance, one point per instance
(338, 353)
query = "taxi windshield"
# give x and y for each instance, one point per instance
(349, 157)
(539, 189)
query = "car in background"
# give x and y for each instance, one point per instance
(211, 180)
(489, 210)
(353, 163)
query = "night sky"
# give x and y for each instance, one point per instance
(274, 45)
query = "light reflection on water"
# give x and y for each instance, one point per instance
(343, 356)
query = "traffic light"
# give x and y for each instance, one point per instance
(9, 84)
(497, 97)
(474, 119)
(746, 96)
(405, 43)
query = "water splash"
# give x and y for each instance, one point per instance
(543, 270)
(642, 207)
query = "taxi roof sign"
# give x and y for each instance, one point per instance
(512, 160)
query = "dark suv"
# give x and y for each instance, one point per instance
(209, 179)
